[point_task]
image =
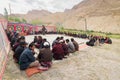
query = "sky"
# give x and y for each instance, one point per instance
(23, 6)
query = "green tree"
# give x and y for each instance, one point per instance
(23, 20)
(5, 13)
(17, 20)
(11, 19)
(59, 26)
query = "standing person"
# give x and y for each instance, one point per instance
(44, 30)
(27, 58)
(75, 44)
(71, 48)
(45, 55)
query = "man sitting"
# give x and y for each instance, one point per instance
(75, 44)
(19, 51)
(58, 52)
(27, 58)
(45, 55)
(71, 48)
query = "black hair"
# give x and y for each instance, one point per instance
(31, 44)
(44, 39)
(72, 39)
(61, 37)
(22, 37)
(67, 40)
(57, 38)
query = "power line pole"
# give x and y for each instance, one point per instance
(10, 8)
(85, 24)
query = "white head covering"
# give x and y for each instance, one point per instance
(60, 41)
(46, 44)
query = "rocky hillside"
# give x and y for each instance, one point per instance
(97, 15)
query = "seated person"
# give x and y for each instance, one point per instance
(108, 40)
(91, 42)
(19, 51)
(58, 52)
(75, 44)
(16, 45)
(97, 42)
(42, 44)
(65, 47)
(39, 41)
(102, 40)
(56, 40)
(45, 55)
(21, 39)
(35, 39)
(71, 48)
(27, 58)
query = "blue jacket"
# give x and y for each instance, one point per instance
(26, 59)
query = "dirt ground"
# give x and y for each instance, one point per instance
(92, 63)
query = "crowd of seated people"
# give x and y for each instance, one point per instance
(60, 49)
(24, 53)
(97, 40)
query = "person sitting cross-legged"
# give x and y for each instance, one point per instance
(70, 45)
(19, 50)
(27, 58)
(58, 52)
(45, 56)
(75, 44)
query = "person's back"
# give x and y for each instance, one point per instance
(75, 44)
(58, 52)
(71, 47)
(35, 39)
(65, 47)
(108, 40)
(45, 55)
(55, 41)
(15, 46)
(18, 52)
(58, 49)
(91, 42)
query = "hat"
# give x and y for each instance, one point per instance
(23, 43)
(60, 41)
(46, 44)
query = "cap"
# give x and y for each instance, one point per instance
(60, 41)
(46, 44)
